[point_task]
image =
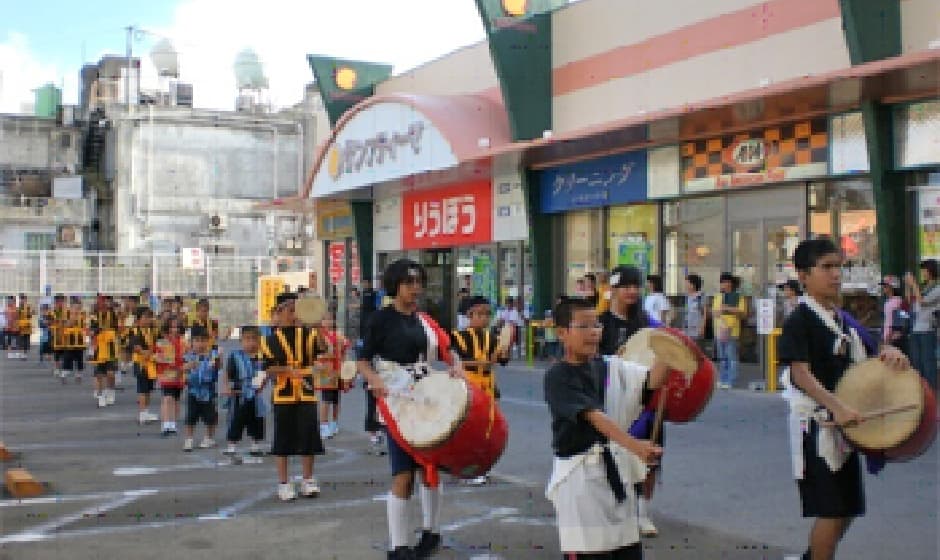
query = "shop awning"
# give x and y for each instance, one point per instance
(390, 137)
(910, 77)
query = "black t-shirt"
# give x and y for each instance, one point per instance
(806, 338)
(571, 390)
(394, 337)
(617, 330)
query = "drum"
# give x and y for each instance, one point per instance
(310, 310)
(899, 410)
(686, 397)
(446, 423)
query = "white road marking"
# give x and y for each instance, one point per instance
(490, 515)
(40, 532)
(522, 402)
(239, 506)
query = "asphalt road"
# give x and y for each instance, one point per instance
(120, 490)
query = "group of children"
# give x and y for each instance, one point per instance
(601, 462)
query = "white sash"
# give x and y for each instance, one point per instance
(830, 443)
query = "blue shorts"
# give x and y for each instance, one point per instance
(400, 460)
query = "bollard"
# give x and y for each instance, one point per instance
(772, 360)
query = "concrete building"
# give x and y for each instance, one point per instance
(42, 200)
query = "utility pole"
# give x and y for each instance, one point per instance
(127, 75)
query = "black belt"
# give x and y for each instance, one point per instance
(610, 469)
(613, 475)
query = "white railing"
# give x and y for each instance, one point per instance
(87, 273)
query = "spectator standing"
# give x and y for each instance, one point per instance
(728, 310)
(695, 317)
(896, 318)
(655, 303)
(925, 301)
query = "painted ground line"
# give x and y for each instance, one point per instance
(522, 402)
(40, 532)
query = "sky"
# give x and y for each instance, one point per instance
(44, 41)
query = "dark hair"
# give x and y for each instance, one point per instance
(144, 312)
(566, 309)
(793, 285)
(657, 281)
(726, 277)
(476, 300)
(931, 266)
(397, 272)
(196, 332)
(695, 280)
(808, 252)
(591, 277)
(249, 330)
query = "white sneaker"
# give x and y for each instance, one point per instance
(151, 417)
(206, 443)
(109, 396)
(142, 417)
(647, 529)
(102, 402)
(230, 449)
(256, 450)
(188, 444)
(478, 481)
(334, 428)
(310, 488)
(286, 492)
(325, 431)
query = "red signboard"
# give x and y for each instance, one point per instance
(337, 268)
(460, 214)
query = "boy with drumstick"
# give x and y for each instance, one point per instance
(328, 381)
(478, 348)
(819, 343)
(594, 504)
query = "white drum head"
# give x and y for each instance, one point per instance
(637, 348)
(432, 412)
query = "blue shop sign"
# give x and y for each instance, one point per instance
(617, 179)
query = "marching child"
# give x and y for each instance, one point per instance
(45, 333)
(819, 343)
(104, 357)
(73, 356)
(328, 381)
(170, 360)
(596, 459)
(202, 374)
(141, 345)
(246, 403)
(477, 346)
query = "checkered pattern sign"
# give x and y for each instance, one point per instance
(791, 151)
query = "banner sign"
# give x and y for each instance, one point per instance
(447, 217)
(617, 179)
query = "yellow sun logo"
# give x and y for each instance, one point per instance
(515, 8)
(345, 78)
(333, 163)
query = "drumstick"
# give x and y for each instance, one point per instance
(878, 413)
(660, 410)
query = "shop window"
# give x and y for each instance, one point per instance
(584, 251)
(633, 234)
(846, 209)
(38, 241)
(694, 242)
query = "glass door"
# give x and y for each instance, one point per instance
(440, 289)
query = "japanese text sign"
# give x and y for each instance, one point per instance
(449, 216)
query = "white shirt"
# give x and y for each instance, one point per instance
(655, 305)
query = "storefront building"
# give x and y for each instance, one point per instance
(746, 127)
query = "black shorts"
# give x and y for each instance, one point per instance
(144, 383)
(105, 368)
(296, 430)
(330, 396)
(200, 410)
(398, 458)
(824, 493)
(174, 392)
(243, 417)
(73, 359)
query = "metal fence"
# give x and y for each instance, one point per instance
(83, 273)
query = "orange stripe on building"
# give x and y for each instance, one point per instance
(721, 32)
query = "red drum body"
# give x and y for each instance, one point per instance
(685, 400)
(923, 436)
(468, 436)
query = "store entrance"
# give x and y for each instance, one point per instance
(439, 294)
(763, 232)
